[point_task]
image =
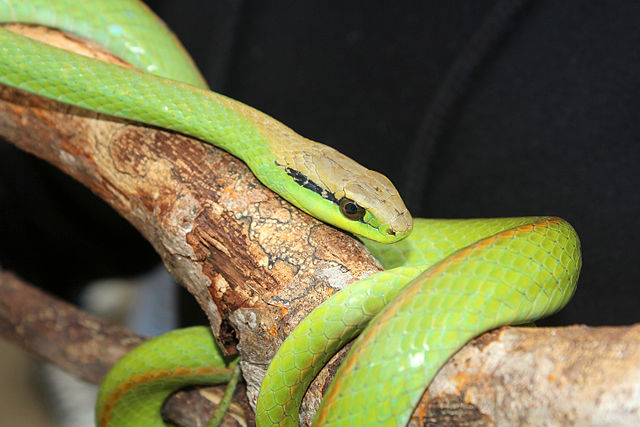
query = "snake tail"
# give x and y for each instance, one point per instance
(134, 390)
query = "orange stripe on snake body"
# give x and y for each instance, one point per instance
(433, 271)
(112, 400)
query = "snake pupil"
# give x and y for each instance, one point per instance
(351, 209)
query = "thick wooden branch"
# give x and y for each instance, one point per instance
(257, 266)
(575, 375)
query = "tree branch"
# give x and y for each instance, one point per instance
(71, 339)
(87, 347)
(257, 265)
(575, 375)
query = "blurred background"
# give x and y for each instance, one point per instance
(473, 108)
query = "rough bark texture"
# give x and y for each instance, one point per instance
(257, 266)
(575, 375)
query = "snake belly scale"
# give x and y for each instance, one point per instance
(446, 281)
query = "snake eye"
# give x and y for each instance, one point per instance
(351, 209)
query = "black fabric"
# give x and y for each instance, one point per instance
(544, 120)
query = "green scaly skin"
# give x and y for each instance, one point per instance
(134, 390)
(448, 282)
(269, 148)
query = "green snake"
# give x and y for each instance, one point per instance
(445, 282)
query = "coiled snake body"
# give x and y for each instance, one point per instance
(446, 281)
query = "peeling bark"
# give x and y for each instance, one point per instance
(257, 266)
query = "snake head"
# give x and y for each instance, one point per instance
(337, 190)
(380, 212)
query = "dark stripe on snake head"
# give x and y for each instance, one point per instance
(303, 181)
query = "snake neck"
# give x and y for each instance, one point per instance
(311, 176)
(120, 26)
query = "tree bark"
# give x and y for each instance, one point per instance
(577, 375)
(71, 339)
(257, 265)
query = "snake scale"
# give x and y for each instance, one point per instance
(446, 281)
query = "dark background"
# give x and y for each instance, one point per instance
(472, 108)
